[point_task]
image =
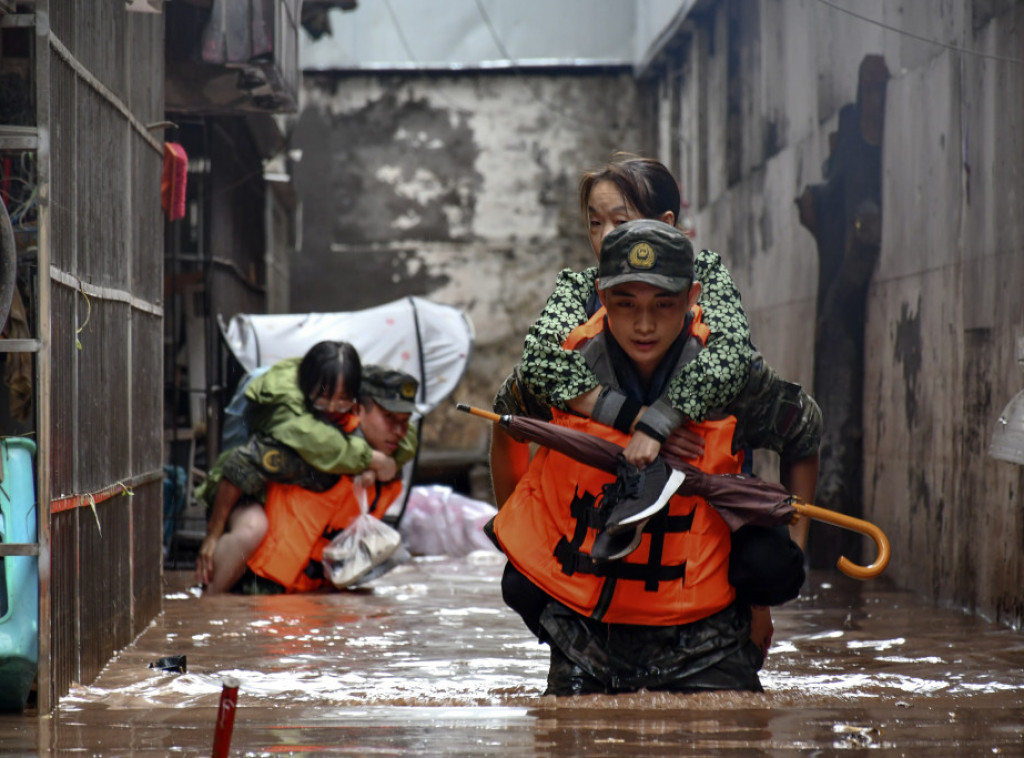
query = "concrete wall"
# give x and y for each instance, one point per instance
(946, 313)
(460, 188)
(945, 303)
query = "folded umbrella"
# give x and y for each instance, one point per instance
(739, 499)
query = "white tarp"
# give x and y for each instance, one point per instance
(429, 340)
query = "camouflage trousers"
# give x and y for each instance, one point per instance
(263, 459)
(588, 657)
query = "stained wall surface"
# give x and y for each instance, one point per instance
(461, 186)
(759, 87)
(458, 187)
(946, 320)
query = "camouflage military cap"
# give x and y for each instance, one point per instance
(391, 389)
(648, 251)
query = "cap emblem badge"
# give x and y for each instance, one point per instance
(641, 255)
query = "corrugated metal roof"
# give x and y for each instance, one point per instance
(490, 34)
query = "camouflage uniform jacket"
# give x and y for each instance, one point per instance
(771, 413)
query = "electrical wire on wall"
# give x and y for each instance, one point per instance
(513, 65)
(516, 69)
(19, 207)
(412, 56)
(8, 264)
(19, 192)
(920, 38)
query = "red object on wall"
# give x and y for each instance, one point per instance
(172, 182)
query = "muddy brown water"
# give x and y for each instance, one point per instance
(428, 661)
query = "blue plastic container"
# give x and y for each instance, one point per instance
(19, 576)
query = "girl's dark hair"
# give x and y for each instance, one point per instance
(644, 182)
(324, 363)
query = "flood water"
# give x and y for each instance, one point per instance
(428, 661)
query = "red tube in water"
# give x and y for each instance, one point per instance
(225, 718)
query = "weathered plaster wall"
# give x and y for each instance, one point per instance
(946, 313)
(945, 303)
(460, 188)
(774, 149)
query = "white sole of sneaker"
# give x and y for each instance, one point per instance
(675, 479)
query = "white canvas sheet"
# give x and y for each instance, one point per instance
(429, 340)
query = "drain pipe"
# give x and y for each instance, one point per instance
(8, 264)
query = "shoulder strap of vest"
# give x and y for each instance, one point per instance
(589, 514)
(585, 331)
(698, 328)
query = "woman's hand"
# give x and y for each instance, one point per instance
(204, 561)
(641, 450)
(684, 443)
(367, 479)
(383, 466)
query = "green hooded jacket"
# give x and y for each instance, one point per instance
(279, 410)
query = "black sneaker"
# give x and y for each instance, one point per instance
(612, 547)
(641, 493)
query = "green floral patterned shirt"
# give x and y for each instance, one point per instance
(712, 380)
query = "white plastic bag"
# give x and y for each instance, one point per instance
(440, 521)
(365, 544)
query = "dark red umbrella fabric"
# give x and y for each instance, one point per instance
(580, 446)
(738, 499)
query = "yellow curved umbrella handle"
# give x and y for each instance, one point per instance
(844, 564)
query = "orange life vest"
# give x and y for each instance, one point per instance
(679, 572)
(301, 523)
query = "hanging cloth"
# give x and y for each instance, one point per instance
(172, 181)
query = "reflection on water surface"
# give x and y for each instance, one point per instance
(428, 661)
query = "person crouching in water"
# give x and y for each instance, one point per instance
(302, 523)
(301, 425)
(660, 612)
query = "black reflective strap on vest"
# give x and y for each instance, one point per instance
(314, 570)
(587, 515)
(657, 547)
(573, 561)
(376, 498)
